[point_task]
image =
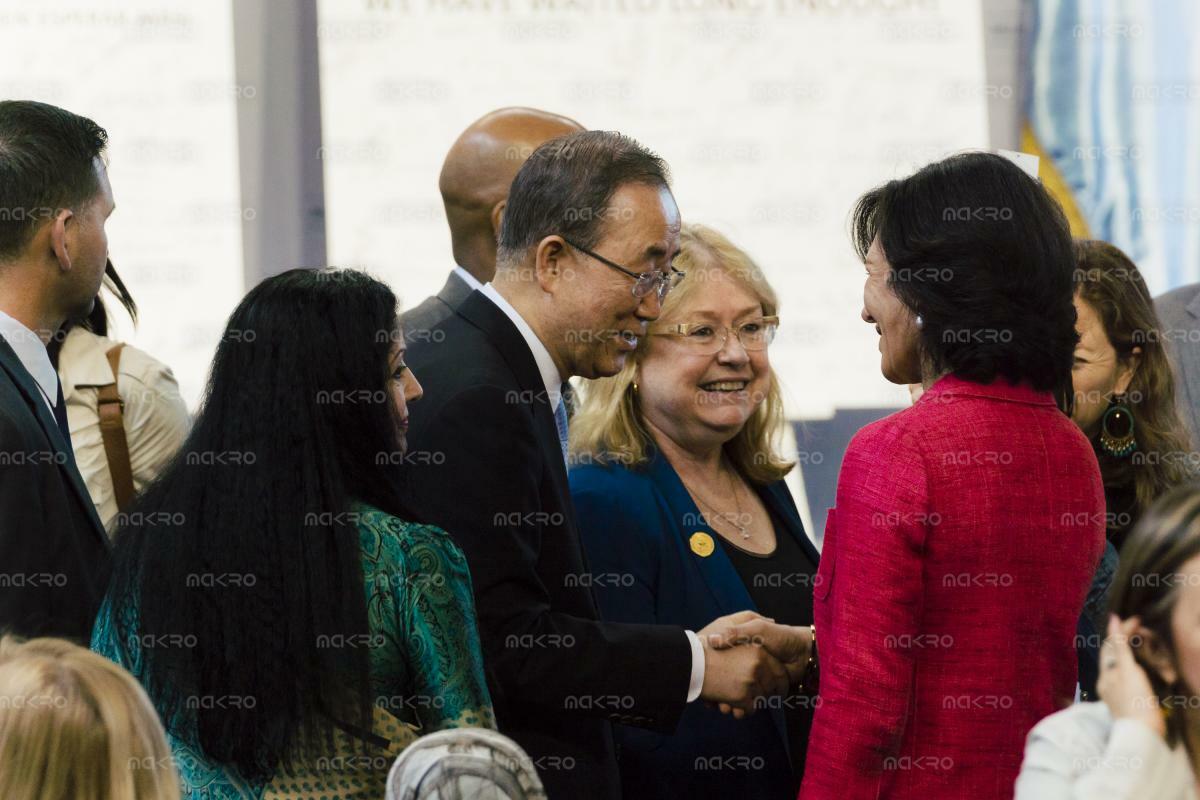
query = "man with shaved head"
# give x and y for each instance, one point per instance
(474, 183)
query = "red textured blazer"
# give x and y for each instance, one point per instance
(954, 570)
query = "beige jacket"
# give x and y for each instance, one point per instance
(156, 418)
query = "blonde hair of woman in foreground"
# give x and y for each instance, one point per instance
(75, 726)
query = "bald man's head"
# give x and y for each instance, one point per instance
(479, 169)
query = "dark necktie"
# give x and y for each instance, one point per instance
(569, 398)
(560, 422)
(60, 416)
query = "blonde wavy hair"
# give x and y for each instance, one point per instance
(608, 427)
(75, 726)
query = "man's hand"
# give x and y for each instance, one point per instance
(727, 631)
(738, 671)
(790, 644)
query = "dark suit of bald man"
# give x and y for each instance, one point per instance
(418, 322)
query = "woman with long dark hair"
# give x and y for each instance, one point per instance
(1124, 400)
(1124, 396)
(294, 630)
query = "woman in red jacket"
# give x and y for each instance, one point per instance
(968, 526)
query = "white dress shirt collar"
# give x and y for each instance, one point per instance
(541, 355)
(468, 278)
(31, 352)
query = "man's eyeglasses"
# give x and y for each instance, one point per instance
(706, 339)
(644, 282)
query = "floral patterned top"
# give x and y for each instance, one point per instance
(426, 670)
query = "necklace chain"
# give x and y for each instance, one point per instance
(724, 515)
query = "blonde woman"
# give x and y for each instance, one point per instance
(685, 516)
(75, 726)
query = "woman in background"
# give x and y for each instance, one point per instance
(75, 726)
(292, 625)
(684, 513)
(1143, 740)
(1124, 401)
(153, 419)
(1124, 398)
(967, 527)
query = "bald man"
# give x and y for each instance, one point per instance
(474, 183)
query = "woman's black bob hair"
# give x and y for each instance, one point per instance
(983, 254)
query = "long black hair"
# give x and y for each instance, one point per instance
(243, 557)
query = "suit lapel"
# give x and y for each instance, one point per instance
(454, 292)
(1193, 305)
(37, 406)
(1189, 360)
(484, 315)
(715, 568)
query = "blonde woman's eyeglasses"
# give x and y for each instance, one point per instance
(704, 338)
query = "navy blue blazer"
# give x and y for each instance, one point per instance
(635, 525)
(53, 549)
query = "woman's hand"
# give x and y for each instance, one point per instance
(1123, 684)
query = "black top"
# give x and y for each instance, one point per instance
(781, 586)
(1121, 504)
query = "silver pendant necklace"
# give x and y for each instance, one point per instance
(725, 516)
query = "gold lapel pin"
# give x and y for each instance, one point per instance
(701, 544)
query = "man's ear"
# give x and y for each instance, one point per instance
(1126, 371)
(551, 264)
(59, 228)
(1153, 652)
(498, 217)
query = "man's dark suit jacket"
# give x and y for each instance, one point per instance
(54, 554)
(1179, 312)
(418, 322)
(485, 465)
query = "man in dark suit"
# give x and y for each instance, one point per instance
(474, 184)
(54, 188)
(586, 245)
(1179, 312)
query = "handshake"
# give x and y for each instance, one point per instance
(747, 657)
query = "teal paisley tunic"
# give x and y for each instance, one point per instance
(425, 662)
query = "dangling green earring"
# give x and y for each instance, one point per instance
(1116, 429)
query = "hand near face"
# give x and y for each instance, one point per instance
(1123, 683)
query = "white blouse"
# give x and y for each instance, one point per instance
(1080, 752)
(155, 416)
